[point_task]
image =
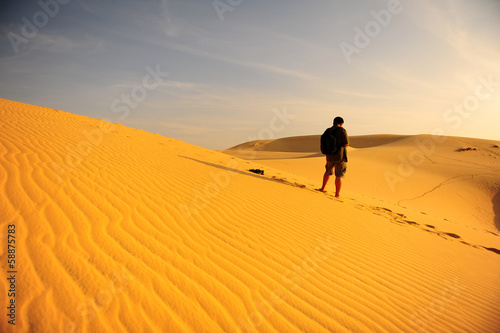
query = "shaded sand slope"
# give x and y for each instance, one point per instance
(437, 175)
(120, 230)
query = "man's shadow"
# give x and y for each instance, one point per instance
(227, 168)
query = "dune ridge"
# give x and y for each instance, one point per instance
(310, 143)
(118, 229)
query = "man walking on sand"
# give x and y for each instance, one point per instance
(338, 159)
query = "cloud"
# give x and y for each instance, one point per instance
(182, 85)
(464, 26)
(184, 129)
(54, 43)
(57, 43)
(94, 8)
(256, 65)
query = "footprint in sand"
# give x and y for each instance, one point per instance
(411, 222)
(491, 232)
(492, 249)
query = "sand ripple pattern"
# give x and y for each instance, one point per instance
(120, 230)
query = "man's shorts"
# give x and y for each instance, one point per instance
(339, 166)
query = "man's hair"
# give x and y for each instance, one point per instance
(338, 121)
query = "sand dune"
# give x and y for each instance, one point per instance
(309, 143)
(450, 177)
(118, 230)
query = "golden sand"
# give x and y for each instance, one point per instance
(120, 230)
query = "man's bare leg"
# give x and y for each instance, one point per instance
(326, 177)
(338, 185)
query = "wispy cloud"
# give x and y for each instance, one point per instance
(184, 129)
(357, 93)
(92, 7)
(57, 43)
(452, 22)
(265, 67)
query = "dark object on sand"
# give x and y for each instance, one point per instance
(495, 146)
(257, 171)
(467, 149)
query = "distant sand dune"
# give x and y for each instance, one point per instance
(310, 143)
(122, 230)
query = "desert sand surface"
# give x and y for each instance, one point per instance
(457, 179)
(121, 230)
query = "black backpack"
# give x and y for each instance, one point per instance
(329, 142)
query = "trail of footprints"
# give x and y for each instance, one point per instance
(397, 218)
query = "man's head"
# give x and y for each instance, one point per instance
(338, 121)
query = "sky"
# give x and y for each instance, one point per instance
(219, 73)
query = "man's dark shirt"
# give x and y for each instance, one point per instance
(342, 139)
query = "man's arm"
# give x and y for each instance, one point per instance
(346, 138)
